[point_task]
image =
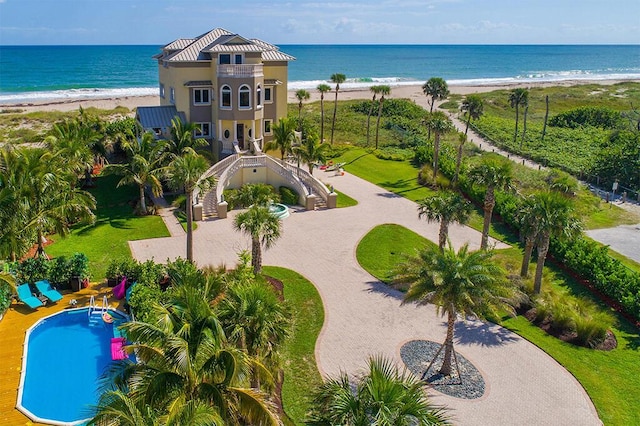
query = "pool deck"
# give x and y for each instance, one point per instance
(12, 329)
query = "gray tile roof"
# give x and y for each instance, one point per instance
(155, 117)
(219, 40)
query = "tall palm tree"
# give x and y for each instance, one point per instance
(465, 283)
(15, 240)
(337, 79)
(301, 95)
(437, 89)
(322, 88)
(439, 124)
(145, 166)
(184, 173)
(491, 174)
(183, 139)
(473, 107)
(186, 367)
(554, 217)
(382, 396)
(375, 90)
(311, 152)
(284, 136)
(384, 90)
(254, 193)
(445, 207)
(256, 321)
(517, 98)
(264, 229)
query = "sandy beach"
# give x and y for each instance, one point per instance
(406, 92)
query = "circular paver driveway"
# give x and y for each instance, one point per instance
(364, 317)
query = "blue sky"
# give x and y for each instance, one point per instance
(314, 22)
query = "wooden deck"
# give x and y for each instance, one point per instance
(12, 331)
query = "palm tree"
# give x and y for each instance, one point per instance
(284, 136)
(383, 90)
(517, 98)
(383, 396)
(445, 207)
(51, 200)
(15, 240)
(528, 225)
(144, 166)
(322, 88)
(491, 174)
(375, 90)
(311, 152)
(187, 370)
(254, 193)
(554, 217)
(255, 321)
(183, 138)
(437, 88)
(184, 173)
(8, 279)
(439, 124)
(466, 283)
(264, 229)
(337, 79)
(473, 107)
(301, 95)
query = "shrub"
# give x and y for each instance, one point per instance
(59, 271)
(393, 154)
(143, 298)
(230, 197)
(33, 269)
(79, 265)
(5, 297)
(595, 116)
(288, 196)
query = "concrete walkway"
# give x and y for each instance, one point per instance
(364, 317)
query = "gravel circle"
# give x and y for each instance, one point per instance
(417, 354)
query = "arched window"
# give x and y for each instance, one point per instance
(244, 97)
(259, 96)
(225, 97)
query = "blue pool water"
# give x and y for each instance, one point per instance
(65, 360)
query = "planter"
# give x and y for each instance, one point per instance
(112, 282)
(75, 283)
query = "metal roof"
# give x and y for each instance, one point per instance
(198, 83)
(158, 117)
(216, 41)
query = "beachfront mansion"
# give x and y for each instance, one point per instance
(233, 88)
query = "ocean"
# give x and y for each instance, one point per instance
(41, 73)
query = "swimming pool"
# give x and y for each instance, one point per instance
(65, 355)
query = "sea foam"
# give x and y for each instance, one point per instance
(61, 95)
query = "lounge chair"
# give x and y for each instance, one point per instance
(25, 296)
(47, 291)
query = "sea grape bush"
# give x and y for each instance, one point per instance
(596, 116)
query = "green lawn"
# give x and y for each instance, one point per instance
(300, 370)
(610, 378)
(115, 226)
(344, 200)
(399, 177)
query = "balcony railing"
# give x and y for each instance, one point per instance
(240, 71)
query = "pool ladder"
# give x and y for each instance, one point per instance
(95, 311)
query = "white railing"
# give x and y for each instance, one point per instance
(214, 170)
(240, 71)
(276, 166)
(309, 181)
(226, 176)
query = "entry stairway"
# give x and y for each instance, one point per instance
(237, 169)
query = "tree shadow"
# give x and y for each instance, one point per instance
(384, 289)
(482, 333)
(388, 195)
(400, 183)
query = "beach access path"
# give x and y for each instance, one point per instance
(364, 317)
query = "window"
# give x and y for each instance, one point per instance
(162, 90)
(224, 58)
(225, 97)
(238, 59)
(227, 133)
(267, 127)
(204, 130)
(267, 95)
(172, 95)
(259, 96)
(201, 97)
(244, 97)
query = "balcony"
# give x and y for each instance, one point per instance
(240, 71)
